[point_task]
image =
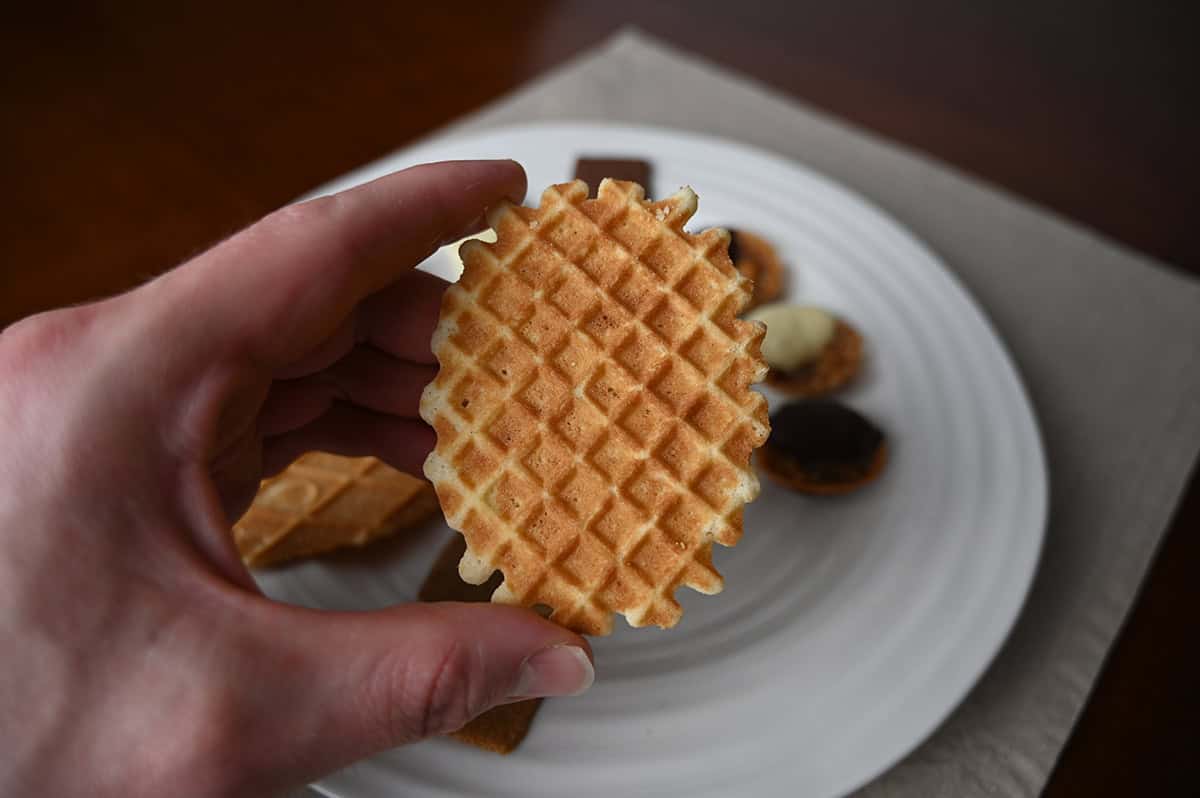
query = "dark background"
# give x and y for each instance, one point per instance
(134, 135)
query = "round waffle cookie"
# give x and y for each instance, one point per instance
(593, 408)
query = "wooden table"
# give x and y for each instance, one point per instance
(135, 136)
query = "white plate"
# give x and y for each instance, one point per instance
(849, 628)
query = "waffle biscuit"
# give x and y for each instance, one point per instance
(323, 502)
(836, 366)
(500, 729)
(755, 258)
(593, 411)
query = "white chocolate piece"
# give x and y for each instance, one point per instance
(796, 334)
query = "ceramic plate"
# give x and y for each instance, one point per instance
(849, 628)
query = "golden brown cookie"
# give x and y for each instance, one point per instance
(593, 406)
(323, 502)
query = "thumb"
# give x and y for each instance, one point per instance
(343, 686)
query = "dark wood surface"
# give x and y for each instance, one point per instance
(136, 135)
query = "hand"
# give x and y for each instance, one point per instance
(138, 656)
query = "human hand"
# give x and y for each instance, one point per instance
(139, 658)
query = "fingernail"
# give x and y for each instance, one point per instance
(558, 670)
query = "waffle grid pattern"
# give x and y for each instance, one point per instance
(337, 499)
(598, 418)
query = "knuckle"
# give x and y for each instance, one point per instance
(325, 214)
(413, 700)
(446, 693)
(40, 335)
(304, 214)
(325, 221)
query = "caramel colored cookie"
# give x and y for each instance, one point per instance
(500, 729)
(832, 370)
(323, 502)
(755, 258)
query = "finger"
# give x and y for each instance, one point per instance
(349, 685)
(355, 432)
(478, 225)
(282, 286)
(327, 352)
(365, 377)
(400, 319)
(386, 384)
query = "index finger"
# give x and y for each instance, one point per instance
(280, 287)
